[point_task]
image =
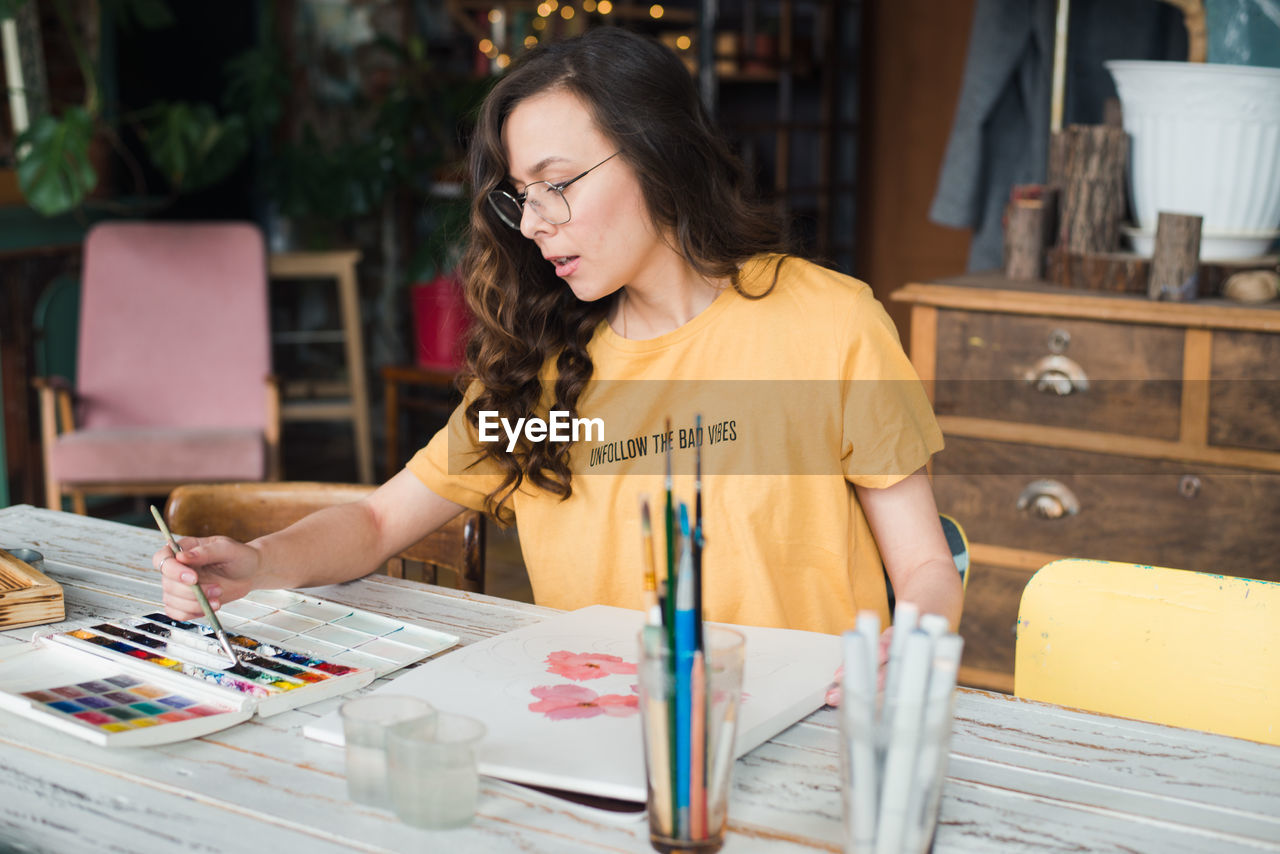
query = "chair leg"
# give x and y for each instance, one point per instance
(471, 575)
(77, 503)
(48, 436)
(395, 567)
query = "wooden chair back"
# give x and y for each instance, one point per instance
(1169, 646)
(244, 511)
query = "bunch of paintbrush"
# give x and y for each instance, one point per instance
(676, 713)
(895, 745)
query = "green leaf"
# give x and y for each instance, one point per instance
(53, 161)
(257, 85)
(192, 146)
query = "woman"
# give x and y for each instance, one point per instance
(618, 271)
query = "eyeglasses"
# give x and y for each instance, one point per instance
(546, 199)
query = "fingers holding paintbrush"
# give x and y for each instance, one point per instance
(197, 591)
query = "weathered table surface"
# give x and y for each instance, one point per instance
(1023, 776)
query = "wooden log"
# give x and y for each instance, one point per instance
(1119, 272)
(1025, 235)
(1089, 162)
(1112, 113)
(1175, 263)
(1125, 272)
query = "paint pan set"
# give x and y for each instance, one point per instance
(154, 680)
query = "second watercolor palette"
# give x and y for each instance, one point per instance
(154, 680)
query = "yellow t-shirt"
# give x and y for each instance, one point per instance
(802, 394)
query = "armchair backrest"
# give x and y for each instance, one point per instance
(174, 327)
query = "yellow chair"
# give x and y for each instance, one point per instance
(1169, 646)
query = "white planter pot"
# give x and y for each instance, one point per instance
(1205, 140)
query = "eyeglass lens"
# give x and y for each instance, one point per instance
(545, 200)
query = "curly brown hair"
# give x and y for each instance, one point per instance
(645, 102)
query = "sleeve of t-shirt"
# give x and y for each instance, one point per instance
(453, 466)
(889, 427)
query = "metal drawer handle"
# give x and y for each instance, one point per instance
(1048, 499)
(1189, 486)
(1057, 374)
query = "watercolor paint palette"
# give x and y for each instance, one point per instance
(337, 633)
(109, 702)
(153, 680)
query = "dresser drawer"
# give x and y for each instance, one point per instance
(988, 625)
(1244, 390)
(1159, 512)
(1086, 374)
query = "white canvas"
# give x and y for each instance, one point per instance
(601, 753)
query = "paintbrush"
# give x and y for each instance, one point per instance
(652, 609)
(669, 518)
(697, 539)
(200, 597)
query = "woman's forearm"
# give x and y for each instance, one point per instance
(330, 546)
(934, 588)
(348, 541)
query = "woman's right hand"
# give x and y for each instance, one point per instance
(224, 567)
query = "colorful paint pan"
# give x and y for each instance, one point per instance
(121, 703)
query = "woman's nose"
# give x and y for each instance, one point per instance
(531, 225)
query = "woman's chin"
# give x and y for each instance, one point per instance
(589, 291)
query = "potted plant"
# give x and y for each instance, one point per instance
(191, 144)
(1204, 140)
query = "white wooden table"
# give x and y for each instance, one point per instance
(1023, 776)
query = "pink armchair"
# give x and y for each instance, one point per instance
(173, 367)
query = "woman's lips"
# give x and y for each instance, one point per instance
(566, 265)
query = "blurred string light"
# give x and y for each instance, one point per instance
(684, 42)
(568, 9)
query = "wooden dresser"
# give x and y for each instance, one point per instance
(1084, 424)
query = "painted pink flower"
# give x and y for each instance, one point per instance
(566, 702)
(581, 666)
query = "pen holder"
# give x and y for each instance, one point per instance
(894, 753)
(689, 713)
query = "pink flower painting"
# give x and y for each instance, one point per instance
(581, 666)
(567, 702)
